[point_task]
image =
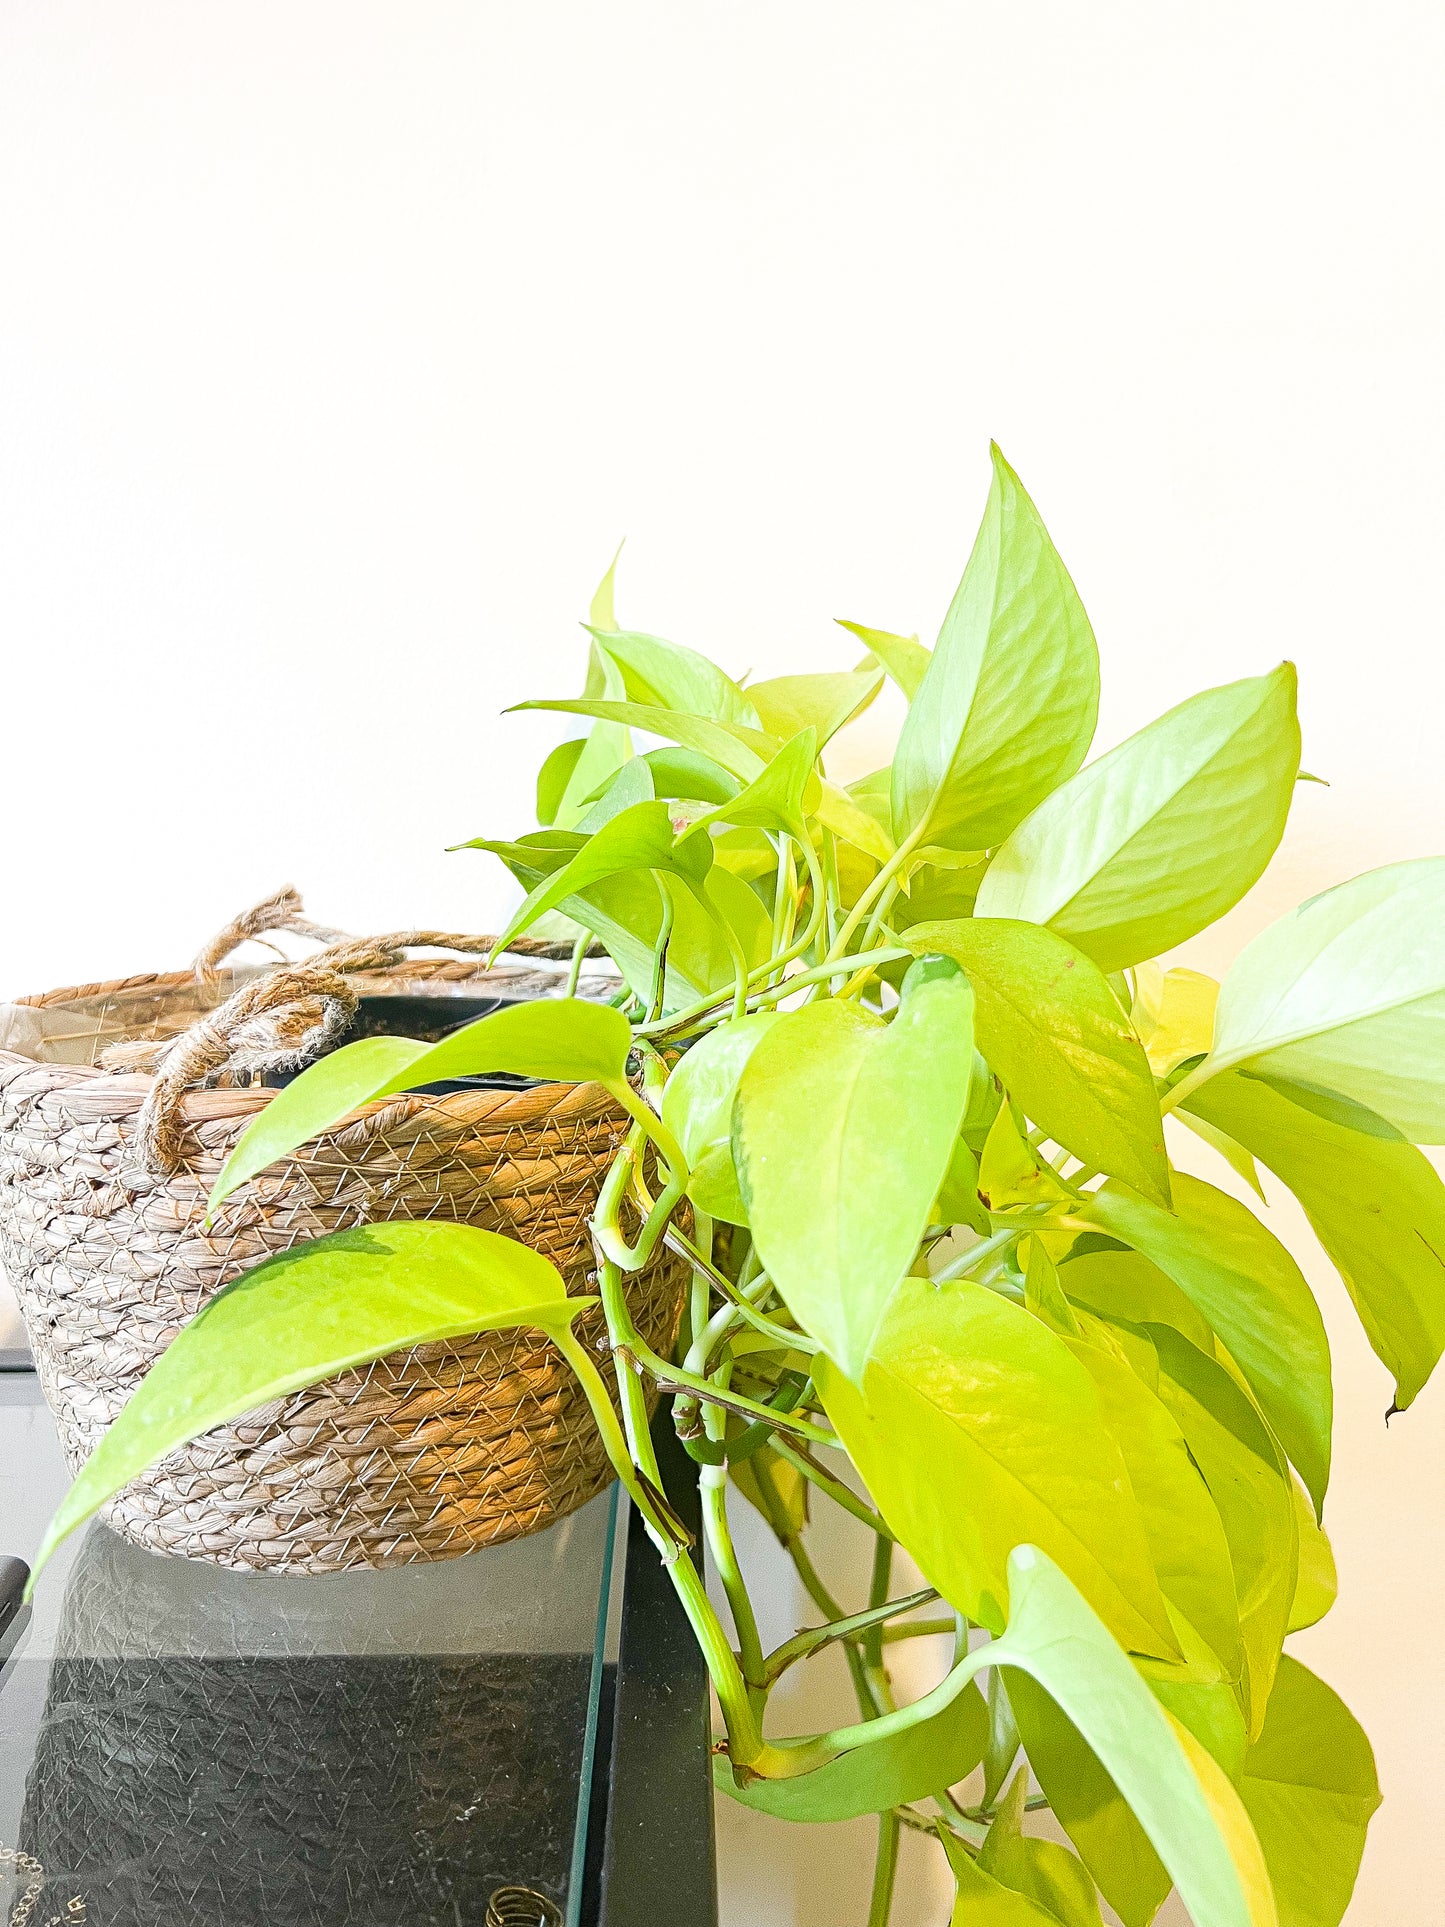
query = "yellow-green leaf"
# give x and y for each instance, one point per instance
(1052, 1031)
(1006, 708)
(1161, 836)
(975, 1428)
(308, 1314)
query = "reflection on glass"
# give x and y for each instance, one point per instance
(187, 1745)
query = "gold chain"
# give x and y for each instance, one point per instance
(29, 1869)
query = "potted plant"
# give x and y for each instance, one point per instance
(896, 1059)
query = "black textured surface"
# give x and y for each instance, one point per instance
(355, 1792)
(427, 1020)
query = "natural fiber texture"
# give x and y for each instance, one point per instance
(425, 1454)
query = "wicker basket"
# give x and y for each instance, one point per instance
(426, 1454)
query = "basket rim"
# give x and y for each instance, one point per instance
(126, 1091)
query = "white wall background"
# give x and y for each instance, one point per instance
(340, 343)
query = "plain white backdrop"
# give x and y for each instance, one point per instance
(341, 343)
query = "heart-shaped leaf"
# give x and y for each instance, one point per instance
(1348, 993)
(1249, 1288)
(1309, 1786)
(1160, 837)
(872, 1111)
(1377, 1206)
(697, 1107)
(825, 704)
(667, 676)
(563, 1038)
(922, 1759)
(1053, 1031)
(904, 657)
(1005, 711)
(739, 748)
(309, 1314)
(638, 838)
(975, 1428)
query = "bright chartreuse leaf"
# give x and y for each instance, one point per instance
(1316, 1583)
(1180, 1798)
(1203, 1697)
(1309, 1786)
(1186, 1539)
(683, 772)
(1046, 1873)
(838, 812)
(1230, 1149)
(1088, 1805)
(937, 894)
(779, 798)
(1010, 1171)
(565, 1038)
(1052, 1031)
(667, 676)
(1173, 1015)
(976, 1428)
(308, 1314)
(1120, 1284)
(1006, 709)
(1004, 1739)
(638, 838)
(824, 703)
(554, 776)
(1243, 1281)
(910, 1765)
(697, 1107)
(1348, 993)
(1044, 1297)
(631, 784)
(739, 748)
(1246, 1474)
(609, 744)
(872, 1111)
(624, 912)
(1160, 837)
(982, 1901)
(872, 793)
(1376, 1204)
(958, 1200)
(904, 657)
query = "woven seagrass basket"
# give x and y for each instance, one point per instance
(104, 1174)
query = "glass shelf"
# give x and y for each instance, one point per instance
(182, 1744)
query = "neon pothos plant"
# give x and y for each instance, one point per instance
(897, 1060)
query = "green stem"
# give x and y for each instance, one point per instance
(814, 1638)
(703, 1268)
(976, 1255)
(674, 1378)
(872, 893)
(880, 910)
(835, 1489)
(879, 1582)
(659, 951)
(630, 1445)
(712, 1483)
(629, 1386)
(1187, 1085)
(885, 1870)
(579, 951)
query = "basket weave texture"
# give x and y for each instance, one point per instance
(426, 1454)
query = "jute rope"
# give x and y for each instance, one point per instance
(279, 1022)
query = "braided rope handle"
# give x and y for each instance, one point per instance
(278, 1022)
